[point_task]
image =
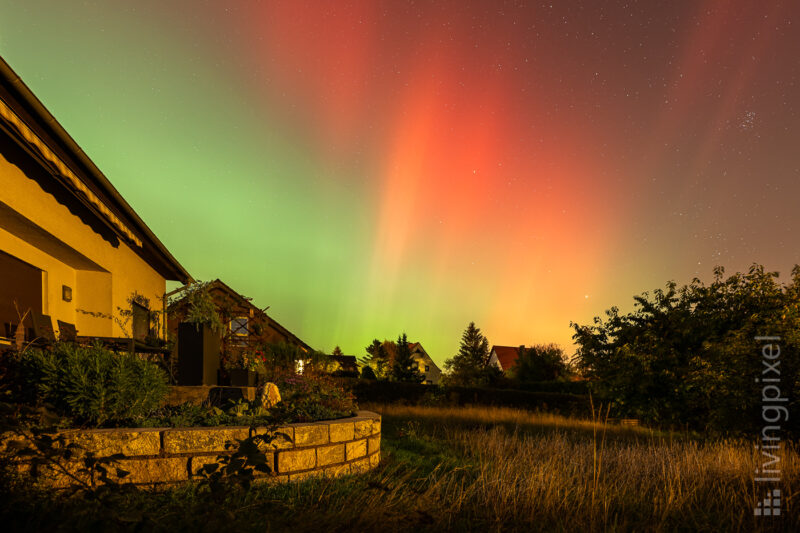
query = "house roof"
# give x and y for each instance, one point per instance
(506, 355)
(24, 118)
(412, 346)
(345, 360)
(220, 285)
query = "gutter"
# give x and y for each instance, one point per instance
(11, 77)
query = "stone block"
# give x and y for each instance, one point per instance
(374, 459)
(376, 426)
(198, 461)
(362, 465)
(106, 442)
(363, 428)
(202, 440)
(50, 476)
(328, 455)
(342, 431)
(337, 470)
(356, 449)
(294, 460)
(153, 470)
(310, 435)
(284, 437)
(373, 445)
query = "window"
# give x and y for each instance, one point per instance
(427, 368)
(239, 331)
(429, 382)
(298, 366)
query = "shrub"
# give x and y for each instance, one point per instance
(541, 362)
(92, 385)
(383, 392)
(311, 396)
(691, 355)
(368, 373)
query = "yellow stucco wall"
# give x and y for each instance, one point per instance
(433, 374)
(104, 289)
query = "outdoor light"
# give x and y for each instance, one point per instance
(66, 293)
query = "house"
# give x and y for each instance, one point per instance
(504, 357)
(71, 247)
(245, 325)
(425, 364)
(343, 365)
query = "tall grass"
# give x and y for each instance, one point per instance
(568, 474)
(478, 469)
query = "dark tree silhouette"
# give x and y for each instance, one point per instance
(470, 366)
(404, 367)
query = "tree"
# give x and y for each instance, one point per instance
(404, 367)
(337, 351)
(690, 356)
(470, 366)
(541, 362)
(377, 358)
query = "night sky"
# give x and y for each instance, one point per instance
(366, 168)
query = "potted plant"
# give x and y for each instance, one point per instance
(244, 370)
(199, 338)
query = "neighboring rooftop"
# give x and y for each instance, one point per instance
(506, 355)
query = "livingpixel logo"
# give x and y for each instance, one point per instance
(770, 505)
(773, 413)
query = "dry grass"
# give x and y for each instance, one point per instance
(522, 469)
(474, 469)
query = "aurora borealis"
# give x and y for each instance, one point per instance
(366, 168)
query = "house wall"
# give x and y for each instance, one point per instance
(494, 361)
(433, 374)
(38, 229)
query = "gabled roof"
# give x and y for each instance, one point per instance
(415, 346)
(348, 361)
(506, 355)
(242, 300)
(24, 119)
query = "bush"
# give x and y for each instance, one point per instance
(691, 355)
(386, 392)
(564, 387)
(311, 396)
(541, 362)
(91, 385)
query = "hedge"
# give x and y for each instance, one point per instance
(368, 391)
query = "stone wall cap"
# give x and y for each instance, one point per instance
(360, 415)
(207, 428)
(109, 431)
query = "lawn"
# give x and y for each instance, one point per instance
(468, 468)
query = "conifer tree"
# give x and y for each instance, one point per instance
(377, 358)
(404, 367)
(469, 367)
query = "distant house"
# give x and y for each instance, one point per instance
(343, 365)
(71, 247)
(425, 364)
(504, 357)
(245, 325)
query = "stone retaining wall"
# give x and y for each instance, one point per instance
(170, 455)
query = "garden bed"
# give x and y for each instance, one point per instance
(171, 455)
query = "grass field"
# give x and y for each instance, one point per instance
(476, 469)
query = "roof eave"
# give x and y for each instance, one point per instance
(178, 273)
